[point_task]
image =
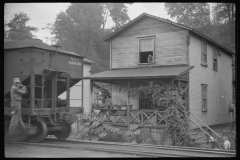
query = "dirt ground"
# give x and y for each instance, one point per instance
(29, 151)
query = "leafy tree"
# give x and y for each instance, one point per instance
(5, 22)
(224, 15)
(118, 13)
(18, 30)
(81, 29)
(194, 15)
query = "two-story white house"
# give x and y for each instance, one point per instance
(179, 53)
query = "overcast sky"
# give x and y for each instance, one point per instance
(42, 13)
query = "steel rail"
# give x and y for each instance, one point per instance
(189, 150)
(120, 151)
(132, 149)
(205, 150)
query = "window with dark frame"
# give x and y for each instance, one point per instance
(204, 53)
(146, 51)
(95, 97)
(215, 59)
(204, 97)
(145, 102)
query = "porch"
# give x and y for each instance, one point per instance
(142, 110)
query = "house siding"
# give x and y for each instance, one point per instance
(170, 44)
(76, 91)
(219, 85)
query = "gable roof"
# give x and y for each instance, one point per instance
(34, 43)
(144, 15)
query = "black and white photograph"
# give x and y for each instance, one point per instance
(119, 80)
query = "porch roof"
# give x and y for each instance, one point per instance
(141, 73)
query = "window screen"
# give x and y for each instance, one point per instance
(146, 50)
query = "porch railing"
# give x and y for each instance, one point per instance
(211, 135)
(145, 117)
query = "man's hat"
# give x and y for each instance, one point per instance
(16, 80)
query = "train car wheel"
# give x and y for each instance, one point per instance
(65, 132)
(41, 131)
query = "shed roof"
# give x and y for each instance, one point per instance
(144, 15)
(142, 73)
(19, 44)
(87, 61)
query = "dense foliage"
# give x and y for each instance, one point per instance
(92, 128)
(132, 133)
(81, 29)
(18, 29)
(197, 15)
(135, 134)
(193, 15)
(170, 96)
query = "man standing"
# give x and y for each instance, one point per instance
(16, 92)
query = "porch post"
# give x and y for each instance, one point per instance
(172, 82)
(91, 92)
(82, 94)
(128, 103)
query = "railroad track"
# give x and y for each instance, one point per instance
(143, 150)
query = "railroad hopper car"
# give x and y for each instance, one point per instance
(47, 72)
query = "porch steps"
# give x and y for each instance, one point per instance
(198, 139)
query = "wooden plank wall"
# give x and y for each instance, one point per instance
(76, 91)
(170, 44)
(219, 90)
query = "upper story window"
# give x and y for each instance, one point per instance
(204, 53)
(146, 50)
(204, 97)
(215, 59)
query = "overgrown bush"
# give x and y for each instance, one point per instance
(132, 133)
(170, 96)
(92, 128)
(146, 136)
(135, 134)
(231, 134)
